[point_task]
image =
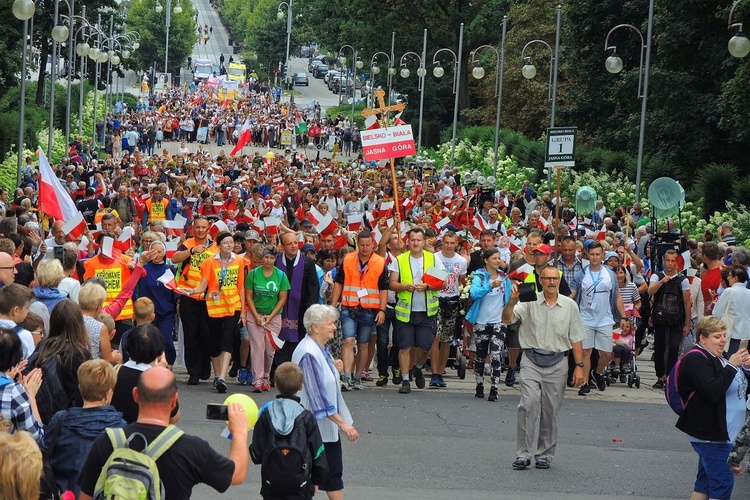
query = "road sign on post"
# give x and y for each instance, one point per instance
(561, 143)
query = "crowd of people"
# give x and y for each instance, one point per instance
(250, 261)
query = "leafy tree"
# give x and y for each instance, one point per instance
(10, 48)
(151, 25)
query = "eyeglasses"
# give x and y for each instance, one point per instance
(546, 278)
(11, 267)
(37, 333)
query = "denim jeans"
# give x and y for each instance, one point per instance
(357, 322)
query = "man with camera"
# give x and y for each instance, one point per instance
(550, 327)
(189, 460)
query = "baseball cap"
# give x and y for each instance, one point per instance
(543, 249)
(587, 244)
(252, 235)
(308, 247)
(609, 255)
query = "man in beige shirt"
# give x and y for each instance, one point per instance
(550, 326)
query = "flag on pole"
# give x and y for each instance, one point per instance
(174, 227)
(171, 247)
(272, 225)
(386, 208)
(53, 199)
(397, 120)
(167, 279)
(300, 125)
(372, 122)
(355, 221)
(75, 227)
(274, 339)
(244, 139)
(324, 224)
(217, 227)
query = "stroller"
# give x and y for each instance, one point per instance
(629, 371)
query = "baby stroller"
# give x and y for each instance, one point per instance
(627, 372)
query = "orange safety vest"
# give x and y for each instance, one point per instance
(190, 277)
(223, 295)
(157, 210)
(367, 280)
(115, 274)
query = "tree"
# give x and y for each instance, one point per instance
(10, 48)
(151, 25)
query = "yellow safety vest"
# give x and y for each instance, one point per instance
(156, 210)
(191, 277)
(223, 295)
(403, 304)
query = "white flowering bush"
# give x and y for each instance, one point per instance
(738, 215)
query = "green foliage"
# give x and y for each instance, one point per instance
(737, 214)
(346, 111)
(710, 178)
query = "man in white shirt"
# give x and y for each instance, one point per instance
(14, 306)
(451, 321)
(444, 191)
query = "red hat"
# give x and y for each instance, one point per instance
(543, 249)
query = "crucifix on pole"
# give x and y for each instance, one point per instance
(381, 112)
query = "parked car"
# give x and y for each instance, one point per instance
(332, 81)
(314, 62)
(331, 73)
(300, 79)
(305, 51)
(320, 71)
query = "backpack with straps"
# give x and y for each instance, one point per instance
(669, 305)
(286, 467)
(130, 474)
(671, 387)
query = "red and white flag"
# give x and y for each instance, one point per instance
(171, 247)
(372, 122)
(441, 223)
(174, 227)
(408, 204)
(324, 224)
(354, 221)
(515, 244)
(53, 199)
(397, 119)
(543, 223)
(259, 225)
(386, 208)
(243, 139)
(435, 277)
(272, 225)
(107, 248)
(480, 223)
(167, 279)
(522, 272)
(125, 240)
(274, 339)
(217, 227)
(75, 227)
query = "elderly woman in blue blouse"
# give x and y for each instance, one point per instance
(321, 392)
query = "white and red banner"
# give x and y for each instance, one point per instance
(75, 227)
(174, 227)
(522, 272)
(53, 199)
(435, 277)
(167, 279)
(385, 143)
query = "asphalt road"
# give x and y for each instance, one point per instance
(437, 444)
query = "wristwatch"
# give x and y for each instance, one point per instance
(581, 365)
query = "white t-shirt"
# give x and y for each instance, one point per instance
(456, 267)
(392, 266)
(595, 289)
(418, 299)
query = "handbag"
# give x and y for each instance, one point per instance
(474, 304)
(728, 320)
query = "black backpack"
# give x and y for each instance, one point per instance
(669, 305)
(286, 468)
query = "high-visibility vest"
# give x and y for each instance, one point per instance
(114, 274)
(355, 280)
(157, 210)
(403, 303)
(223, 295)
(190, 277)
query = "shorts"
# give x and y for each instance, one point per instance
(511, 337)
(334, 456)
(244, 334)
(599, 338)
(419, 331)
(450, 320)
(223, 331)
(714, 477)
(358, 322)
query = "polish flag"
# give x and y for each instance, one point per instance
(480, 223)
(376, 235)
(340, 242)
(435, 277)
(441, 223)
(543, 223)
(572, 225)
(174, 227)
(683, 260)
(522, 272)
(167, 279)
(217, 227)
(355, 222)
(259, 225)
(53, 199)
(171, 247)
(274, 339)
(324, 224)
(125, 240)
(602, 234)
(386, 207)
(515, 244)
(408, 204)
(272, 225)
(247, 216)
(300, 240)
(243, 139)
(75, 227)
(462, 192)
(372, 122)
(107, 248)
(397, 119)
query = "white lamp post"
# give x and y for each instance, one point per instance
(421, 73)
(23, 10)
(438, 71)
(739, 45)
(177, 10)
(280, 14)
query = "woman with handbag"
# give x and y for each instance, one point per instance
(490, 290)
(733, 308)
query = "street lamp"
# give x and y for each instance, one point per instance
(280, 15)
(438, 71)
(529, 71)
(23, 10)
(478, 73)
(356, 63)
(421, 73)
(614, 65)
(177, 10)
(375, 70)
(739, 45)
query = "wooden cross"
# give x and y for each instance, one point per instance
(383, 110)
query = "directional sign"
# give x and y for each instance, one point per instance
(391, 142)
(560, 147)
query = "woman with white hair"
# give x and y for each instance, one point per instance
(49, 273)
(321, 392)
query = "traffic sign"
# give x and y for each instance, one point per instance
(561, 143)
(385, 143)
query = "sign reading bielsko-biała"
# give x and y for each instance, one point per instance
(391, 142)
(561, 143)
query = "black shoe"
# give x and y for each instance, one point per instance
(397, 378)
(480, 391)
(521, 464)
(658, 385)
(601, 384)
(584, 390)
(405, 387)
(193, 380)
(541, 463)
(418, 377)
(493, 395)
(510, 377)
(382, 381)
(221, 386)
(570, 382)
(234, 370)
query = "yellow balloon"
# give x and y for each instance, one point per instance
(248, 405)
(270, 154)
